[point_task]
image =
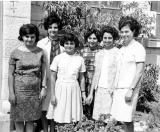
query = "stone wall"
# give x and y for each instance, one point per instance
(15, 14)
(1, 42)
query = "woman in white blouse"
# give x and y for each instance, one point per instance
(105, 71)
(51, 47)
(129, 71)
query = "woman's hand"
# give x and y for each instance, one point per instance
(128, 96)
(12, 99)
(53, 101)
(43, 94)
(84, 97)
(89, 99)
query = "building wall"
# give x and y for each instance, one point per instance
(15, 14)
(1, 42)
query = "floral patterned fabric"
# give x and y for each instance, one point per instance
(27, 86)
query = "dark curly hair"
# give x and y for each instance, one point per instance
(52, 18)
(91, 31)
(69, 36)
(108, 29)
(133, 24)
(28, 29)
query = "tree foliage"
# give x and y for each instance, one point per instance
(80, 15)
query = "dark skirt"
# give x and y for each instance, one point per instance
(28, 105)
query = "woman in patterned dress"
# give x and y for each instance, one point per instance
(92, 40)
(66, 91)
(104, 75)
(27, 79)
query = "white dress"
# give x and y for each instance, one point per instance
(103, 94)
(126, 71)
(67, 90)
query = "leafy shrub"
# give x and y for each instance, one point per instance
(86, 125)
(149, 90)
(149, 99)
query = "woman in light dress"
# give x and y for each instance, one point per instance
(105, 71)
(68, 83)
(129, 70)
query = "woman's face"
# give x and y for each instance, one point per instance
(29, 40)
(69, 47)
(53, 30)
(126, 34)
(92, 40)
(107, 39)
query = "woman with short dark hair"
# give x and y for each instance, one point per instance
(104, 75)
(51, 46)
(27, 79)
(91, 47)
(112, 31)
(130, 66)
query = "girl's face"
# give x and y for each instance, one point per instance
(92, 40)
(107, 39)
(53, 30)
(29, 40)
(69, 47)
(126, 34)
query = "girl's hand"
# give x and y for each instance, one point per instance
(128, 96)
(43, 94)
(12, 99)
(89, 99)
(53, 101)
(84, 97)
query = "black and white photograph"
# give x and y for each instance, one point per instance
(79, 66)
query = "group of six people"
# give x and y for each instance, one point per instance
(49, 79)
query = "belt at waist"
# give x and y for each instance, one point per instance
(66, 80)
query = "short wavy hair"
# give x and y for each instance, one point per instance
(52, 18)
(28, 29)
(91, 31)
(133, 24)
(69, 36)
(113, 31)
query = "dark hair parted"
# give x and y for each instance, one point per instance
(133, 24)
(113, 31)
(28, 29)
(68, 36)
(91, 31)
(52, 18)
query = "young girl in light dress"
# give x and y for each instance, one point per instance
(67, 83)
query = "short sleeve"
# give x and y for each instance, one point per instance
(12, 59)
(54, 64)
(140, 53)
(83, 67)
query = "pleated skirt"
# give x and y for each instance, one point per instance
(69, 102)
